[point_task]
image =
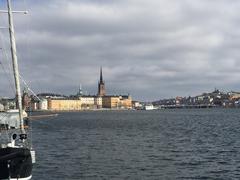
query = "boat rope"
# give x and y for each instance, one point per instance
(9, 79)
(25, 83)
(6, 72)
(27, 56)
(34, 94)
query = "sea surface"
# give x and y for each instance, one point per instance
(162, 144)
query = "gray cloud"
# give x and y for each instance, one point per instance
(150, 49)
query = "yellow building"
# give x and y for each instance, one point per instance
(110, 101)
(117, 102)
(234, 95)
(126, 102)
(64, 104)
(87, 100)
(98, 101)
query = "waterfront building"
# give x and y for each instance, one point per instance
(79, 101)
(87, 102)
(126, 102)
(234, 95)
(64, 104)
(43, 104)
(117, 102)
(80, 92)
(26, 100)
(34, 105)
(98, 102)
(109, 101)
(112, 102)
(137, 105)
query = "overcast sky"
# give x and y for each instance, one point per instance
(151, 49)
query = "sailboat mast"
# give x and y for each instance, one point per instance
(15, 64)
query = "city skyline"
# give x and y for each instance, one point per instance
(149, 49)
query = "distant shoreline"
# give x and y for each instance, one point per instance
(140, 110)
(83, 110)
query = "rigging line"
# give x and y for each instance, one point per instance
(9, 64)
(5, 52)
(27, 41)
(12, 87)
(29, 88)
(28, 57)
(3, 20)
(8, 76)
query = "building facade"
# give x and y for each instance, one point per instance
(117, 102)
(64, 104)
(87, 102)
(26, 100)
(126, 102)
(98, 102)
(43, 104)
(111, 102)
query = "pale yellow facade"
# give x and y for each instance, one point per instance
(118, 102)
(87, 100)
(90, 102)
(126, 103)
(64, 104)
(110, 101)
(98, 101)
(234, 96)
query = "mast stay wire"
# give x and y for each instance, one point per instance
(5, 40)
(25, 83)
(27, 54)
(27, 57)
(6, 56)
(8, 77)
(2, 39)
(6, 72)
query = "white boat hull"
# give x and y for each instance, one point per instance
(27, 178)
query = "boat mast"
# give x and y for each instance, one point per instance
(15, 65)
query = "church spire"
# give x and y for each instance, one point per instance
(80, 92)
(101, 76)
(101, 85)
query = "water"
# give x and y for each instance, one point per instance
(164, 144)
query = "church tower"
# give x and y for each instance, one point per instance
(80, 92)
(101, 85)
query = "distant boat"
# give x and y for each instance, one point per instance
(16, 154)
(149, 107)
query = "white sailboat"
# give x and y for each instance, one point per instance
(16, 154)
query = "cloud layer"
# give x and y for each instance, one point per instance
(150, 49)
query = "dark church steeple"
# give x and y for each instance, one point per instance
(101, 85)
(101, 76)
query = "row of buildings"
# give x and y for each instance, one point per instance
(55, 102)
(212, 99)
(81, 103)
